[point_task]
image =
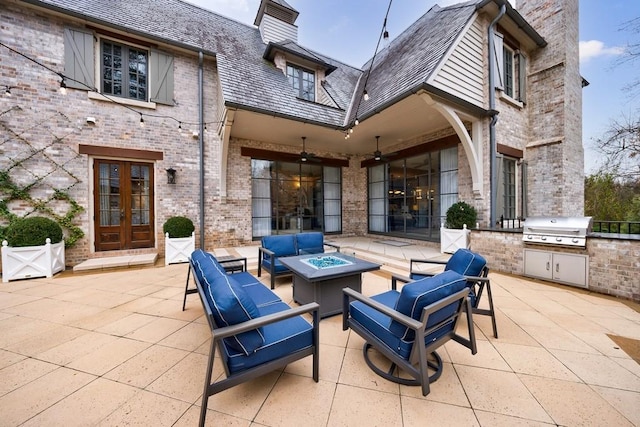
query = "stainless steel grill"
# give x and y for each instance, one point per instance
(558, 231)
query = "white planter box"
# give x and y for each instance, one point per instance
(451, 239)
(32, 261)
(178, 249)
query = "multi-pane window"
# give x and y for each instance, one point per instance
(508, 72)
(509, 181)
(303, 81)
(124, 71)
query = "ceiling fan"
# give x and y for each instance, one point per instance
(304, 156)
(377, 155)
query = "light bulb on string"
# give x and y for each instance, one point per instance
(63, 87)
(141, 121)
(357, 122)
(365, 95)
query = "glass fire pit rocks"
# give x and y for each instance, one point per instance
(328, 261)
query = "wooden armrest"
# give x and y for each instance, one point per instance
(228, 331)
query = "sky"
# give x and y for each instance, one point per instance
(348, 30)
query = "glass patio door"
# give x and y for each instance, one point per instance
(123, 205)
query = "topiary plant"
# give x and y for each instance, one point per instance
(32, 231)
(178, 226)
(461, 213)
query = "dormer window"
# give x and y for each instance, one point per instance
(303, 81)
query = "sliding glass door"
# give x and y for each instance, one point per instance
(295, 197)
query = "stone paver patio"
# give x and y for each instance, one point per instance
(115, 348)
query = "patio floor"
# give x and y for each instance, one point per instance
(115, 348)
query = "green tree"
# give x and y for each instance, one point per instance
(601, 197)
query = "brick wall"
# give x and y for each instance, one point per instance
(613, 263)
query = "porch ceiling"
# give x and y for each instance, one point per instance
(402, 121)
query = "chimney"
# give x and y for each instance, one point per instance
(276, 20)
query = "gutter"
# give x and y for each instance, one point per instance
(517, 19)
(201, 141)
(494, 114)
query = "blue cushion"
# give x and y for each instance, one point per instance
(310, 243)
(465, 262)
(378, 323)
(281, 245)
(415, 296)
(278, 267)
(280, 339)
(260, 294)
(230, 304)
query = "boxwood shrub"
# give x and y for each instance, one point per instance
(461, 213)
(178, 226)
(32, 231)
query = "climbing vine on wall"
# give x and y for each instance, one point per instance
(34, 171)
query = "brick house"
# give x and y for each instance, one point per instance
(478, 102)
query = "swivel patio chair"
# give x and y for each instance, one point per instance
(471, 265)
(407, 327)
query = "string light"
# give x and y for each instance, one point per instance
(365, 95)
(357, 122)
(63, 91)
(63, 87)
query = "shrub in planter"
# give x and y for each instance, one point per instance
(461, 213)
(179, 241)
(178, 226)
(33, 247)
(32, 231)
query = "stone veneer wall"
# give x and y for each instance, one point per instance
(614, 264)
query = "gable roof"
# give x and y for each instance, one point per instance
(251, 82)
(407, 63)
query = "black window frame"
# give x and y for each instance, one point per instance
(125, 82)
(296, 74)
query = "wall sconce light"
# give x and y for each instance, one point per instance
(171, 176)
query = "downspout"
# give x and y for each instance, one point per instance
(201, 142)
(494, 115)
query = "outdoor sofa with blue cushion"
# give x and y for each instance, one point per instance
(408, 326)
(471, 265)
(283, 245)
(252, 328)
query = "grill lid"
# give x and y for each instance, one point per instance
(565, 231)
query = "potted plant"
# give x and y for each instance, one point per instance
(32, 247)
(180, 239)
(455, 234)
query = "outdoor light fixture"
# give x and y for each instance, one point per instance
(365, 95)
(63, 87)
(171, 176)
(141, 121)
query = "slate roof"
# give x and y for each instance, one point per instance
(410, 59)
(251, 82)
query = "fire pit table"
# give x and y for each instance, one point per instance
(320, 278)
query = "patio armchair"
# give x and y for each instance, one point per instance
(471, 265)
(408, 326)
(254, 331)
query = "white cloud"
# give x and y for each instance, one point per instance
(594, 48)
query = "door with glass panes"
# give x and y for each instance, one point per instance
(123, 205)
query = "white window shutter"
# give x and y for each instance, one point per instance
(498, 70)
(161, 77)
(78, 59)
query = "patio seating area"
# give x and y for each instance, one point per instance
(114, 348)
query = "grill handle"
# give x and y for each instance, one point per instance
(551, 230)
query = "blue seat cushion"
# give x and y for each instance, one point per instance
(280, 339)
(310, 243)
(378, 324)
(260, 294)
(466, 262)
(278, 267)
(415, 296)
(229, 302)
